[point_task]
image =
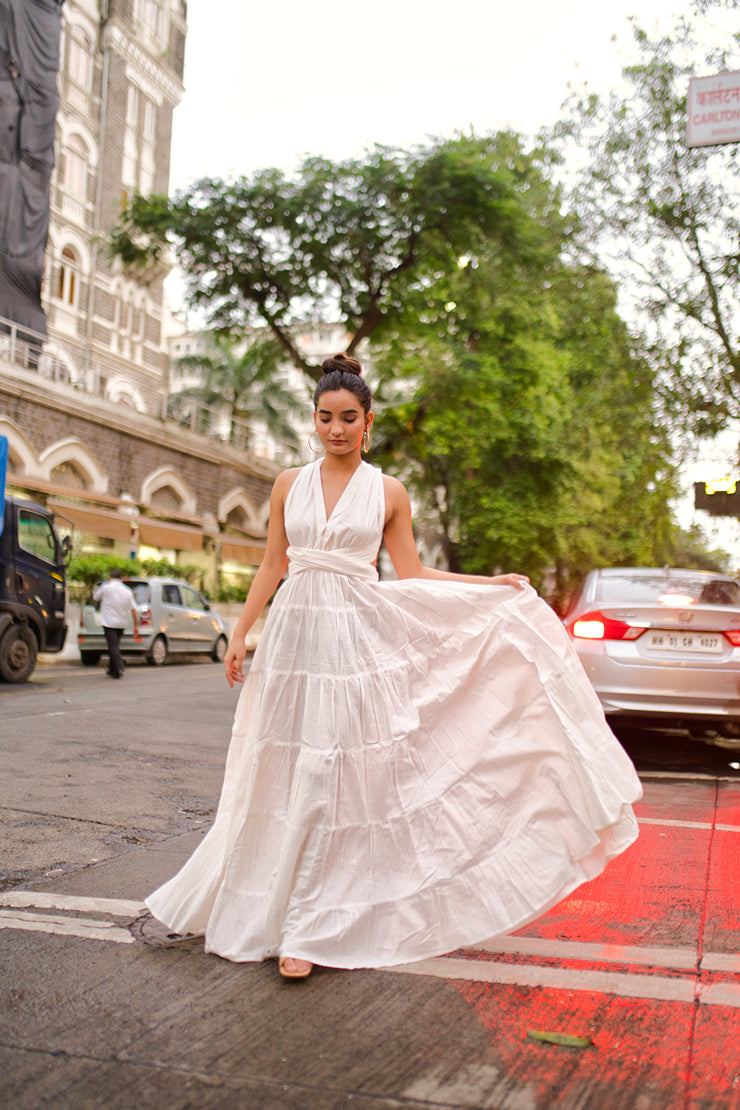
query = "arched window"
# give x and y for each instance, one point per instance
(75, 172)
(166, 499)
(80, 59)
(67, 284)
(67, 474)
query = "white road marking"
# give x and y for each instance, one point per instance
(686, 824)
(689, 776)
(679, 958)
(685, 988)
(721, 961)
(64, 926)
(43, 900)
(624, 984)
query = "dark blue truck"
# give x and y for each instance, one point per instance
(33, 591)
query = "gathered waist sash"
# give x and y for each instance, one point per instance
(335, 562)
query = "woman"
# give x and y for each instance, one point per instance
(415, 765)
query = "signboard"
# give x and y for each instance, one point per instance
(720, 497)
(3, 470)
(714, 110)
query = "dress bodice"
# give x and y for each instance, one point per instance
(346, 541)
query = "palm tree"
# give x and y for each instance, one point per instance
(240, 380)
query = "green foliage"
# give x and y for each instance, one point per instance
(233, 592)
(85, 571)
(242, 380)
(666, 217)
(515, 392)
(512, 398)
(351, 240)
(90, 569)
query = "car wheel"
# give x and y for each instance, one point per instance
(90, 658)
(18, 650)
(219, 650)
(157, 654)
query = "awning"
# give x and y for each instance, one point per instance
(242, 551)
(95, 522)
(177, 536)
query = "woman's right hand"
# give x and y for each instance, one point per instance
(234, 661)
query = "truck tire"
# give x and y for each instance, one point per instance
(18, 651)
(157, 654)
(90, 658)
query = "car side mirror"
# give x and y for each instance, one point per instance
(66, 547)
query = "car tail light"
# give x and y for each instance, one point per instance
(145, 616)
(595, 626)
(733, 635)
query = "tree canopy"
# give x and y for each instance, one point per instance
(348, 241)
(512, 398)
(529, 415)
(664, 217)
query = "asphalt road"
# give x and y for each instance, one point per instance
(108, 787)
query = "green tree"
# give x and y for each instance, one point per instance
(665, 217)
(515, 392)
(242, 380)
(349, 241)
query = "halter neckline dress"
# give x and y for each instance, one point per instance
(415, 765)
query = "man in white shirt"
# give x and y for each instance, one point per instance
(116, 602)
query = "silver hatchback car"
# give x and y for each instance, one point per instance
(174, 619)
(661, 645)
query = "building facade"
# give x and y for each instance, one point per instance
(84, 407)
(121, 72)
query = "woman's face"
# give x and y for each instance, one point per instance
(340, 422)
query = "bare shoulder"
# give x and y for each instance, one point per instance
(396, 497)
(285, 480)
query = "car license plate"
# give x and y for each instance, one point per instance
(710, 643)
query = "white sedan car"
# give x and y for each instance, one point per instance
(661, 645)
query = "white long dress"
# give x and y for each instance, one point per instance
(414, 766)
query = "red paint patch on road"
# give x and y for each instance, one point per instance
(728, 804)
(676, 887)
(639, 1058)
(653, 894)
(722, 921)
(716, 1060)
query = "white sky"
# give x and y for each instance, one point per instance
(269, 83)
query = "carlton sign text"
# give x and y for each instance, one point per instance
(714, 110)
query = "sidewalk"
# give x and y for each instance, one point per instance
(642, 964)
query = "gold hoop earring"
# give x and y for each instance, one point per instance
(316, 450)
(365, 444)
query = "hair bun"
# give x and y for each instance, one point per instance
(342, 362)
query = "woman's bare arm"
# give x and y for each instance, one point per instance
(265, 581)
(399, 539)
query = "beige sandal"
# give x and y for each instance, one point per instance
(294, 973)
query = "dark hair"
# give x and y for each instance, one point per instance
(343, 372)
(114, 572)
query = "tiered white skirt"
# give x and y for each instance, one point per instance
(414, 766)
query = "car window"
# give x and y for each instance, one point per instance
(142, 591)
(192, 598)
(712, 591)
(36, 535)
(171, 594)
